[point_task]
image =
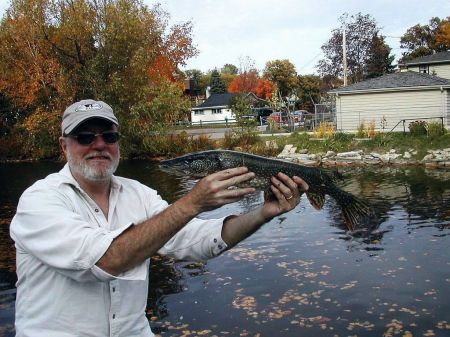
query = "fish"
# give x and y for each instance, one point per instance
(321, 183)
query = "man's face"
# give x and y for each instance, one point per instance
(92, 162)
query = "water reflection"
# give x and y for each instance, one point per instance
(302, 273)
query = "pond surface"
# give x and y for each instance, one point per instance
(301, 274)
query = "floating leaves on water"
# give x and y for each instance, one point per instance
(349, 285)
(365, 325)
(443, 325)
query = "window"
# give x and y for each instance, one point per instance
(199, 112)
(424, 69)
(216, 111)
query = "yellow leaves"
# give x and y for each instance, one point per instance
(409, 311)
(349, 285)
(365, 325)
(443, 325)
(279, 313)
(394, 327)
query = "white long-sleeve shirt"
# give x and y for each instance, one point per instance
(60, 233)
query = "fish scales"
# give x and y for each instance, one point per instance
(320, 183)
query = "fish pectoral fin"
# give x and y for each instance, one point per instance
(317, 200)
(268, 195)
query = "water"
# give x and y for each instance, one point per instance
(299, 275)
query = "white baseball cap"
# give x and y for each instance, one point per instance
(81, 111)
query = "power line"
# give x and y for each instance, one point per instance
(311, 60)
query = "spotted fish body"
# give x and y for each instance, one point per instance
(320, 183)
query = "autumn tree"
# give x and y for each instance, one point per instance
(56, 52)
(422, 40)
(283, 74)
(265, 88)
(245, 82)
(363, 44)
(217, 85)
(443, 34)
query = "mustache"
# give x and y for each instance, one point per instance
(103, 154)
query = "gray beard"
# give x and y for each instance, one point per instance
(90, 173)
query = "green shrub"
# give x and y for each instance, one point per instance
(435, 129)
(343, 137)
(361, 133)
(417, 128)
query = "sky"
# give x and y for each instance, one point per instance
(233, 31)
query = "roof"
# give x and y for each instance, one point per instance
(442, 57)
(405, 79)
(216, 100)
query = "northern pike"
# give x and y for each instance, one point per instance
(200, 164)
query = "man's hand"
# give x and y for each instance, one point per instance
(214, 190)
(286, 195)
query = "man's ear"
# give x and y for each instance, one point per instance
(63, 144)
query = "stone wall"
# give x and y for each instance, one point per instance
(433, 159)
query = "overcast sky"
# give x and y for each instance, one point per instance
(265, 30)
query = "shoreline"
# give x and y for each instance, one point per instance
(435, 159)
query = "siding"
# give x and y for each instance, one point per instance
(440, 70)
(353, 109)
(208, 116)
(447, 106)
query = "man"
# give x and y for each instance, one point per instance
(84, 236)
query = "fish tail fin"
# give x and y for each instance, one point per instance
(354, 210)
(317, 200)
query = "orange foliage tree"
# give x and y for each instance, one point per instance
(265, 89)
(250, 81)
(244, 82)
(55, 52)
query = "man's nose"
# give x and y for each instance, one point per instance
(99, 142)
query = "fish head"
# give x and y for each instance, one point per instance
(198, 164)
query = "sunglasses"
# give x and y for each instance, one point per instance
(87, 138)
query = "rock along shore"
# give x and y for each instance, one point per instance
(433, 159)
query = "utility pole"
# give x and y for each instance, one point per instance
(344, 54)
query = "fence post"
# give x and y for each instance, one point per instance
(226, 122)
(404, 130)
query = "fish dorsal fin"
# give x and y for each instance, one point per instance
(317, 200)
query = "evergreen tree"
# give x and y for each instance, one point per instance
(380, 58)
(217, 85)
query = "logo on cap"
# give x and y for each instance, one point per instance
(89, 107)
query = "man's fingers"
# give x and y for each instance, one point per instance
(228, 173)
(302, 185)
(280, 185)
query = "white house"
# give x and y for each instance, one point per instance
(216, 108)
(393, 101)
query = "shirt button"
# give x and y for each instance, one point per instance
(96, 210)
(215, 240)
(220, 246)
(114, 316)
(114, 289)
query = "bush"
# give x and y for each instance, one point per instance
(435, 129)
(418, 128)
(361, 130)
(325, 130)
